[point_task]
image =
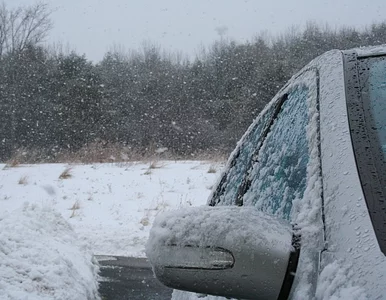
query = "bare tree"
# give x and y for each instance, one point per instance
(4, 27)
(23, 26)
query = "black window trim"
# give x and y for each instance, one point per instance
(368, 169)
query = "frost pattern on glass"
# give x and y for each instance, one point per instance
(377, 93)
(252, 141)
(279, 176)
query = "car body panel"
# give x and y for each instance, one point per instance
(349, 233)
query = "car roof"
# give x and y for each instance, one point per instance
(368, 51)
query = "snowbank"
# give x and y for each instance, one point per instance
(41, 258)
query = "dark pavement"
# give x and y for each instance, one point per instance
(129, 278)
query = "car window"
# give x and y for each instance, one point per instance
(226, 193)
(377, 94)
(279, 175)
(366, 112)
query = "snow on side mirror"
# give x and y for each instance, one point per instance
(227, 251)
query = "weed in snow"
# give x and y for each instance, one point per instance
(89, 198)
(23, 180)
(148, 172)
(145, 221)
(13, 163)
(66, 173)
(212, 169)
(74, 208)
(153, 165)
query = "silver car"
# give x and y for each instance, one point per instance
(300, 210)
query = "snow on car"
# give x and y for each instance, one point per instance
(314, 158)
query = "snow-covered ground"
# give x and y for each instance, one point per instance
(110, 206)
(54, 216)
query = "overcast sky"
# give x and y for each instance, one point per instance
(92, 27)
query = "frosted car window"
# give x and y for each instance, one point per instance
(280, 173)
(377, 96)
(366, 86)
(230, 183)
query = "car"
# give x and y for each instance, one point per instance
(299, 211)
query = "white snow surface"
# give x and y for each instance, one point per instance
(335, 282)
(41, 257)
(110, 206)
(369, 51)
(50, 227)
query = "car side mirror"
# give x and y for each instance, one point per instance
(228, 251)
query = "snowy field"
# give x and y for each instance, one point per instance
(54, 216)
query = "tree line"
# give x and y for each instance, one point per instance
(54, 102)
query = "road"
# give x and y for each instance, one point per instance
(129, 278)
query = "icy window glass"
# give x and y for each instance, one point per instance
(279, 175)
(377, 93)
(228, 189)
(367, 117)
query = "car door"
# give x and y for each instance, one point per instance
(276, 169)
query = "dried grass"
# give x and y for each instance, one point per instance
(66, 174)
(23, 180)
(145, 221)
(155, 165)
(12, 163)
(74, 208)
(101, 151)
(212, 169)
